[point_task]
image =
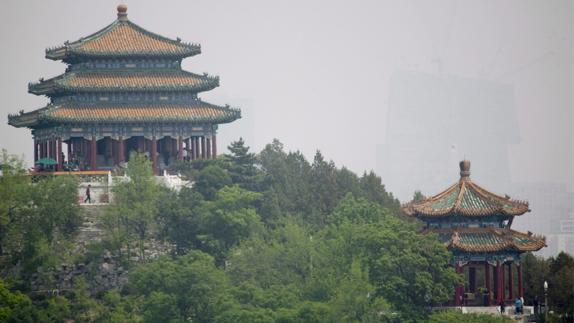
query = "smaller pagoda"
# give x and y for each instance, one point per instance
(475, 225)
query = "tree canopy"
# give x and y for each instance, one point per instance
(267, 237)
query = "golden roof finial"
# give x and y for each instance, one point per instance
(464, 169)
(122, 12)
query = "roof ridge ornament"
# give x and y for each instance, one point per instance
(464, 169)
(122, 12)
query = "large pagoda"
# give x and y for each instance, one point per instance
(475, 225)
(124, 92)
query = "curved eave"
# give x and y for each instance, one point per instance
(158, 119)
(488, 204)
(59, 84)
(54, 87)
(195, 113)
(504, 240)
(68, 54)
(431, 213)
(28, 119)
(73, 51)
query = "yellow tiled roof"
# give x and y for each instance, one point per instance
(197, 112)
(126, 81)
(123, 38)
(193, 112)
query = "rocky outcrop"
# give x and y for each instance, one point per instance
(100, 276)
(102, 272)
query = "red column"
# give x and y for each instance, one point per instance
(53, 149)
(189, 148)
(510, 281)
(180, 148)
(121, 149)
(93, 153)
(35, 151)
(520, 287)
(458, 291)
(85, 153)
(140, 142)
(154, 155)
(49, 148)
(499, 283)
(214, 148)
(69, 149)
(196, 147)
(487, 280)
(59, 153)
(202, 147)
(503, 281)
(471, 279)
(192, 147)
(115, 151)
(208, 146)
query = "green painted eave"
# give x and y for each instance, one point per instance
(60, 85)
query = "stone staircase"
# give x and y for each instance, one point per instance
(90, 230)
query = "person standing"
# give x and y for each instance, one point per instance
(88, 194)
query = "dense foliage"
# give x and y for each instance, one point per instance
(559, 273)
(266, 237)
(37, 220)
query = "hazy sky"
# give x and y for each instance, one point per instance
(316, 74)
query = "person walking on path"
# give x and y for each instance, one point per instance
(502, 306)
(88, 194)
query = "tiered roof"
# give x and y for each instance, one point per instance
(466, 198)
(132, 63)
(122, 38)
(467, 201)
(484, 240)
(194, 112)
(124, 80)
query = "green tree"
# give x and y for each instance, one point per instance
(227, 220)
(374, 190)
(161, 307)
(241, 165)
(407, 269)
(561, 284)
(211, 179)
(418, 196)
(37, 220)
(15, 307)
(355, 299)
(323, 184)
(535, 271)
(15, 195)
(179, 219)
(189, 288)
(131, 214)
